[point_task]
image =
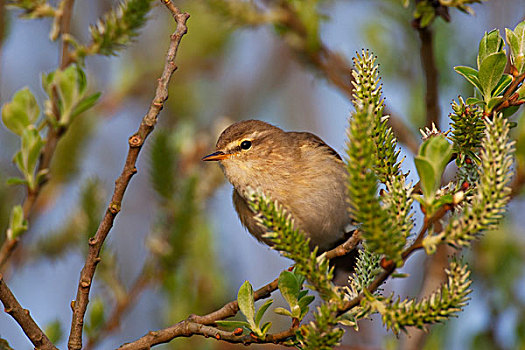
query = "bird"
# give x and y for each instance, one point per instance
(296, 169)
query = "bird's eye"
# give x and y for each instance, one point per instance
(246, 144)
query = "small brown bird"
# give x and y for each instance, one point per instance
(297, 169)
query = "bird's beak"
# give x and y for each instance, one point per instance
(219, 155)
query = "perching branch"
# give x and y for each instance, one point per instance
(23, 318)
(135, 144)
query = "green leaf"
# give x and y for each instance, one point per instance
(289, 287)
(16, 181)
(265, 328)
(427, 176)
(71, 86)
(474, 101)
(516, 41)
(503, 83)
(85, 104)
(282, 311)
(491, 43)
(246, 303)
(27, 158)
(232, 324)
(493, 102)
(21, 112)
(262, 310)
(17, 223)
(431, 161)
(470, 74)
(306, 300)
(490, 72)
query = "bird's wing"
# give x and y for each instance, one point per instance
(307, 138)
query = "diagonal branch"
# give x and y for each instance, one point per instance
(23, 318)
(135, 144)
(428, 61)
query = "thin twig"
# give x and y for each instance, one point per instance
(428, 61)
(135, 144)
(23, 318)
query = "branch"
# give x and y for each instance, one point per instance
(135, 144)
(23, 318)
(194, 324)
(432, 110)
(346, 247)
(187, 329)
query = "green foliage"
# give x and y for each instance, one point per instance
(491, 194)
(290, 285)
(26, 159)
(434, 155)
(17, 223)
(33, 8)
(70, 85)
(118, 27)
(366, 270)
(489, 79)
(427, 10)
(246, 302)
(293, 244)
(21, 112)
(322, 333)
(468, 130)
(372, 155)
(516, 40)
(447, 301)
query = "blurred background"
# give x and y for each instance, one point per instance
(177, 246)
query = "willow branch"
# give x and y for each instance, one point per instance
(346, 247)
(194, 325)
(428, 62)
(187, 329)
(135, 144)
(23, 318)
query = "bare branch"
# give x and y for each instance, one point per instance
(135, 144)
(428, 61)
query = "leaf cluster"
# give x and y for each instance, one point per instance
(489, 78)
